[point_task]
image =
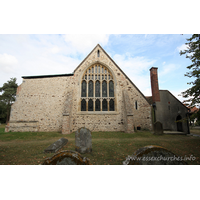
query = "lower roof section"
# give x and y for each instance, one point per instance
(47, 76)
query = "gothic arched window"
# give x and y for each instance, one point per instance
(97, 89)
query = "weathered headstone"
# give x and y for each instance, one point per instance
(56, 145)
(153, 155)
(67, 158)
(83, 140)
(158, 128)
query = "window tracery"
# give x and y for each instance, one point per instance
(97, 89)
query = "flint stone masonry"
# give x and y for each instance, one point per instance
(153, 155)
(56, 145)
(158, 128)
(54, 102)
(83, 140)
(128, 114)
(67, 158)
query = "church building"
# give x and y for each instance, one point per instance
(98, 95)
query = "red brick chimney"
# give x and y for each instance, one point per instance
(154, 84)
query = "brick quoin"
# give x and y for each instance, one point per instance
(154, 84)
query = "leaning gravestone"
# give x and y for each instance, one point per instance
(158, 128)
(56, 145)
(153, 155)
(67, 158)
(83, 140)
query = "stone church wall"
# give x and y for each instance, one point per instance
(42, 103)
(105, 121)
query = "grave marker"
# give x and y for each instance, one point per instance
(67, 158)
(56, 145)
(83, 140)
(153, 155)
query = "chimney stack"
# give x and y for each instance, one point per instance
(154, 84)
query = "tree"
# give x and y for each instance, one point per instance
(8, 95)
(2, 112)
(193, 53)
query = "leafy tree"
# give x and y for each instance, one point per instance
(2, 112)
(8, 96)
(193, 53)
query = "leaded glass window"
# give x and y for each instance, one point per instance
(104, 89)
(104, 105)
(111, 105)
(84, 88)
(90, 105)
(97, 89)
(83, 105)
(90, 92)
(97, 105)
(111, 89)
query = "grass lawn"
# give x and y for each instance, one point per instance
(108, 148)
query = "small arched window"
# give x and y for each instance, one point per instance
(98, 53)
(136, 105)
(97, 89)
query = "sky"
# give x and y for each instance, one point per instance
(45, 54)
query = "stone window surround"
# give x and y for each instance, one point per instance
(94, 98)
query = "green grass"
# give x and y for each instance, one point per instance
(108, 148)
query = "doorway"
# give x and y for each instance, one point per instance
(179, 123)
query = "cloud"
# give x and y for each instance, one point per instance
(182, 47)
(7, 63)
(54, 50)
(84, 43)
(136, 65)
(6, 59)
(177, 94)
(137, 69)
(168, 69)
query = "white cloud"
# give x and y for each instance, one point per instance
(182, 47)
(177, 94)
(55, 50)
(8, 63)
(6, 59)
(85, 42)
(137, 69)
(167, 69)
(135, 65)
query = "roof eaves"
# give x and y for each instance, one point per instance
(47, 76)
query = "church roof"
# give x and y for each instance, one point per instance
(47, 76)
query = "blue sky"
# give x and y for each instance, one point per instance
(135, 54)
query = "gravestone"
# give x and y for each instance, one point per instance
(67, 158)
(153, 155)
(56, 145)
(83, 140)
(158, 128)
